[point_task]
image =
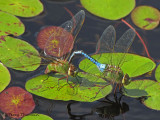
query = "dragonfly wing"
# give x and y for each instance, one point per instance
(61, 41)
(107, 40)
(74, 25)
(96, 86)
(106, 43)
(123, 44)
(126, 40)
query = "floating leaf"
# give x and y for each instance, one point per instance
(51, 87)
(12, 54)
(4, 77)
(146, 17)
(36, 116)
(133, 65)
(16, 102)
(23, 8)
(157, 73)
(109, 9)
(148, 88)
(56, 40)
(10, 24)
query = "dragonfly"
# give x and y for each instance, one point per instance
(56, 55)
(57, 48)
(108, 44)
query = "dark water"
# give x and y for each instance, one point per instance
(55, 14)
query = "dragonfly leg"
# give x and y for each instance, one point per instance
(59, 80)
(46, 78)
(115, 89)
(99, 91)
(66, 76)
(120, 85)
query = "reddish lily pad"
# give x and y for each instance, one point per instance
(54, 37)
(16, 102)
(23, 8)
(5, 77)
(36, 116)
(109, 9)
(17, 54)
(10, 25)
(58, 41)
(146, 17)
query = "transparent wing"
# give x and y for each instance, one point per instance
(93, 82)
(123, 45)
(61, 41)
(107, 40)
(106, 44)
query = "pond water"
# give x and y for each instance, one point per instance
(55, 14)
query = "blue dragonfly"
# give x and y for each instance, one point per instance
(108, 44)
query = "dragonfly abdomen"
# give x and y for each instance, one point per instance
(100, 66)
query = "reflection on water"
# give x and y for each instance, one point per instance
(105, 109)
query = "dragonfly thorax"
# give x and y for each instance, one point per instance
(63, 67)
(116, 75)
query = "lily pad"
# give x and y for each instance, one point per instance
(157, 73)
(145, 17)
(51, 87)
(16, 102)
(10, 25)
(36, 116)
(58, 41)
(23, 8)
(109, 9)
(55, 41)
(148, 88)
(133, 65)
(16, 54)
(5, 77)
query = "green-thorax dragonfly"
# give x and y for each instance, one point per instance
(56, 48)
(108, 44)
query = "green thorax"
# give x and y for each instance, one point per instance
(116, 75)
(58, 66)
(62, 67)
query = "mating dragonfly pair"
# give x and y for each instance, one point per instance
(60, 48)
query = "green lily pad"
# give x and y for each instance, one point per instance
(5, 77)
(133, 65)
(16, 102)
(13, 53)
(109, 9)
(10, 24)
(23, 8)
(51, 87)
(148, 88)
(36, 116)
(145, 17)
(157, 73)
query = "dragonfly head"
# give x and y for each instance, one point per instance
(126, 79)
(101, 67)
(72, 71)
